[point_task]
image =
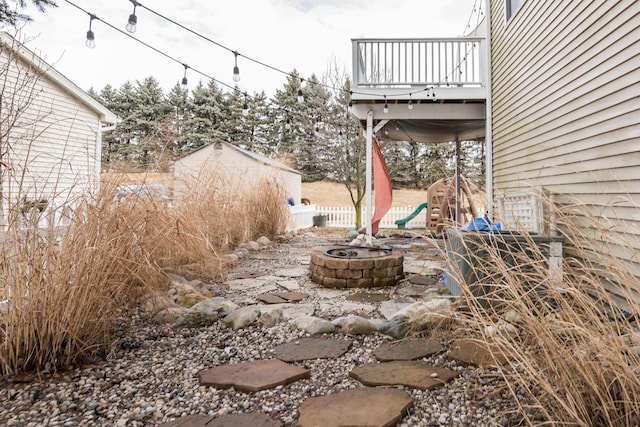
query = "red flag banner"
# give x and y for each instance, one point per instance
(382, 187)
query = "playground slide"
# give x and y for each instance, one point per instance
(402, 222)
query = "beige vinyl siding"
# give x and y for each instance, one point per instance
(52, 144)
(566, 111)
(239, 170)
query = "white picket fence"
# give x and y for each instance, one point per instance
(345, 217)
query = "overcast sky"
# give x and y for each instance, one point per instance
(302, 34)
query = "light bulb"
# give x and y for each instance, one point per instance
(300, 96)
(287, 124)
(410, 105)
(236, 74)
(386, 108)
(91, 40)
(184, 81)
(245, 110)
(132, 24)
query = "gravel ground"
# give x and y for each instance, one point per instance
(151, 376)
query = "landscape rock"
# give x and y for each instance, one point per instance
(271, 318)
(242, 317)
(263, 241)
(425, 314)
(213, 305)
(398, 327)
(393, 308)
(476, 353)
(353, 234)
(170, 315)
(289, 311)
(355, 325)
(314, 325)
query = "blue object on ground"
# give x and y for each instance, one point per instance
(403, 221)
(482, 224)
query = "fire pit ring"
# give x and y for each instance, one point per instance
(356, 267)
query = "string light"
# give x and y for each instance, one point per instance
(386, 106)
(287, 123)
(300, 96)
(245, 106)
(91, 38)
(133, 19)
(236, 70)
(184, 78)
(410, 105)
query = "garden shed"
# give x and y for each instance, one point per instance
(240, 167)
(50, 145)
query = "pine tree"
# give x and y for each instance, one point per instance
(204, 123)
(9, 10)
(286, 114)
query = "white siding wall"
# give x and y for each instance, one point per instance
(239, 169)
(50, 142)
(566, 109)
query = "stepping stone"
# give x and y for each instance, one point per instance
(230, 420)
(312, 348)
(371, 407)
(292, 272)
(252, 376)
(419, 279)
(409, 374)
(407, 349)
(270, 299)
(477, 353)
(291, 296)
(367, 297)
(412, 290)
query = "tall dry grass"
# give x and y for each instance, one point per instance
(570, 346)
(71, 291)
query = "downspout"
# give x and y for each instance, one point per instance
(101, 129)
(368, 175)
(488, 140)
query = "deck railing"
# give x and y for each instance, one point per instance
(345, 217)
(457, 62)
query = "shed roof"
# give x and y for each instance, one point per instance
(56, 77)
(253, 155)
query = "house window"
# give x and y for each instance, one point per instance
(512, 6)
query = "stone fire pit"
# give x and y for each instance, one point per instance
(356, 267)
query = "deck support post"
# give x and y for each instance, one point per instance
(369, 175)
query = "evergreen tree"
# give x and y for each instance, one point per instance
(10, 15)
(310, 154)
(151, 109)
(205, 117)
(286, 112)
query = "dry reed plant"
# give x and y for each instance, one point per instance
(570, 347)
(69, 292)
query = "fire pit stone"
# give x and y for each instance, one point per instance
(356, 267)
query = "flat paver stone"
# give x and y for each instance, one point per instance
(291, 296)
(367, 297)
(409, 374)
(407, 349)
(252, 376)
(270, 299)
(256, 419)
(312, 348)
(419, 279)
(476, 353)
(370, 407)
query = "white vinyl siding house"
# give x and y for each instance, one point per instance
(50, 132)
(565, 98)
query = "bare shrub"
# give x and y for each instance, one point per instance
(572, 360)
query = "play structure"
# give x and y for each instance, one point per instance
(441, 204)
